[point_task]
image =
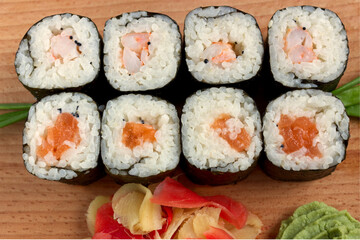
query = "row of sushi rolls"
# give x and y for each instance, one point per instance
(140, 102)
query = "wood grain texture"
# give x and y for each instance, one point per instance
(34, 208)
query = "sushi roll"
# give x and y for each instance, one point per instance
(140, 139)
(308, 48)
(221, 135)
(59, 53)
(223, 45)
(142, 51)
(305, 134)
(61, 139)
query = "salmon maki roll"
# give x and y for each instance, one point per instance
(59, 53)
(140, 139)
(61, 139)
(223, 45)
(141, 51)
(306, 134)
(308, 48)
(221, 135)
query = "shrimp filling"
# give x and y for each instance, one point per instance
(135, 134)
(238, 139)
(299, 45)
(64, 46)
(299, 133)
(61, 137)
(136, 51)
(218, 53)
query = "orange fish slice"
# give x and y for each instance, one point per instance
(135, 134)
(54, 140)
(297, 133)
(242, 140)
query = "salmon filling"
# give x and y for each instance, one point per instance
(299, 45)
(57, 139)
(136, 51)
(238, 141)
(135, 134)
(299, 133)
(64, 46)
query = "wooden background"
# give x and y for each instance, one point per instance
(34, 208)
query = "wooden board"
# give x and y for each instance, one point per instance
(34, 208)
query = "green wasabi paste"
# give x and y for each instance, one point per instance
(317, 220)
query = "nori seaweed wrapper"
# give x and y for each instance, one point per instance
(85, 177)
(124, 177)
(91, 88)
(214, 178)
(276, 88)
(127, 178)
(170, 91)
(250, 85)
(209, 176)
(279, 173)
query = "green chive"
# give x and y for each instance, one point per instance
(346, 86)
(12, 117)
(9, 115)
(350, 97)
(353, 110)
(15, 106)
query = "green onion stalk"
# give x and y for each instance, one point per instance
(21, 113)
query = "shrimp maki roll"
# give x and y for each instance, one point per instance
(308, 48)
(223, 45)
(61, 139)
(306, 134)
(221, 135)
(141, 51)
(59, 53)
(140, 139)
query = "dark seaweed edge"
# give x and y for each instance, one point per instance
(87, 88)
(279, 173)
(328, 86)
(127, 178)
(214, 178)
(241, 82)
(123, 179)
(83, 177)
(160, 90)
(210, 177)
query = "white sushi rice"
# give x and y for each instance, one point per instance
(202, 145)
(329, 42)
(331, 121)
(204, 26)
(77, 158)
(34, 63)
(164, 51)
(148, 159)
